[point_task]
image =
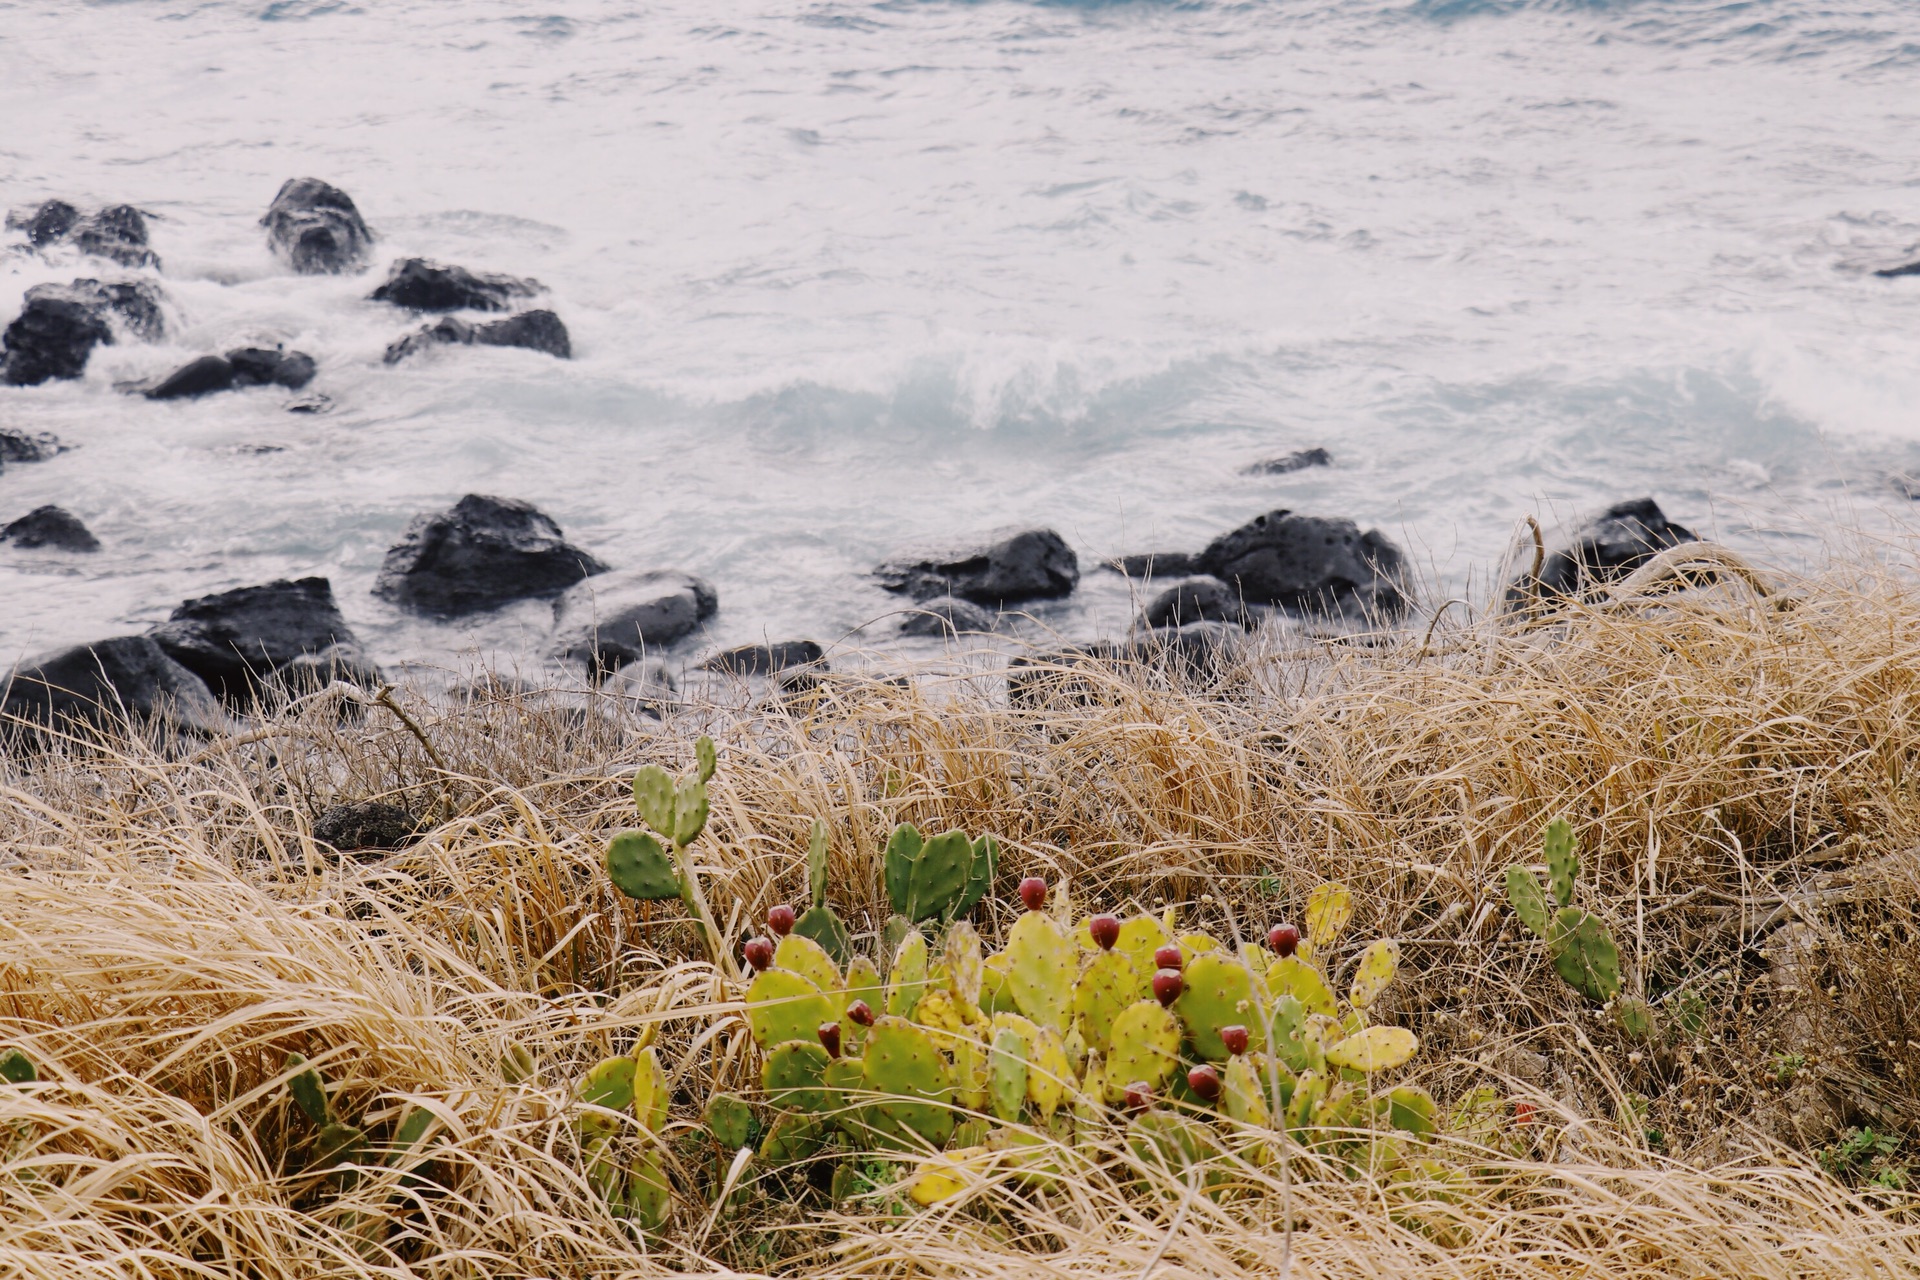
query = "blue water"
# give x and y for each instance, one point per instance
(843, 277)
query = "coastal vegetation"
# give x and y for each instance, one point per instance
(1569, 943)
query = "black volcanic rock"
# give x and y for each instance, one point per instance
(18, 446)
(765, 659)
(243, 367)
(365, 824)
(117, 232)
(1911, 269)
(1028, 564)
(1602, 548)
(60, 325)
(947, 617)
(534, 330)
(315, 228)
(235, 640)
(611, 620)
(481, 553)
(104, 682)
(1286, 463)
(420, 285)
(51, 527)
(1310, 564)
(1196, 600)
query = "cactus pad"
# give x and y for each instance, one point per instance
(338, 1143)
(1329, 909)
(994, 995)
(650, 1092)
(1146, 1046)
(1140, 937)
(689, 812)
(1294, 977)
(17, 1068)
(640, 868)
(1049, 1074)
(730, 1120)
(965, 965)
(1583, 954)
(1218, 992)
(1374, 1049)
(1104, 989)
(928, 879)
(939, 1011)
(792, 1077)
(1041, 964)
(908, 981)
(783, 1005)
(1635, 1017)
(1378, 963)
(902, 1063)
(649, 1199)
(824, 927)
(705, 758)
(809, 959)
(1412, 1110)
(1303, 1110)
(516, 1063)
(1528, 899)
(986, 861)
(1293, 1042)
(1007, 1074)
(653, 797)
(794, 1136)
(1242, 1096)
(307, 1090)
(609, 1085)
(1563, 861)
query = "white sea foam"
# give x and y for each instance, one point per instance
(842, 277)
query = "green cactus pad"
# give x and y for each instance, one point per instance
(902, 1063)
(1563, 861)
(824, 927)
(1165, 1140)
(1378, 964)
(17, 1068)
(927, 879)
(689, 812)
(1140, 937)
(705, 758)
(1007, 1074)
(649, 1200)
(1146, 1046)
(1303, 1110)
(808, 958)
(1635, 1017)
(1041, 966)
(412, 1129)
(653, 797)
(986, 861)
(609, 1085)
(338, 1143)
(1374, 1049)
(729, 1120)
(640, 868)
(1243, 1095)
(898, 864)
(793, 1137)
(995, 995)
(1293, 1041)
(818, 845)
(1105, 988)
(908, 980)
(1294, 977)
(650, 1092)
(1528, 899)
(783, 1005)
(840, 1082)
(792, 1077)
(1413, 1110)
(1218, 992)
(1049, 1073)
(1584, 955)
(309, 1091)
(964, 962)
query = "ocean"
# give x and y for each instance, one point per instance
(847, 277)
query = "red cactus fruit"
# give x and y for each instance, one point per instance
(759, 953)
(1235, 1038)
(1284, 939)
(1105, 931)
(861, 1012)
(829, 1034)
(1033, 892)
(1205, 1081)
(1169, 958)
(1167, 986)
(1139, 1096)
(780, 919)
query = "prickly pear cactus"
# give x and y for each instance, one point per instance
(729, 1120)
(651, 1095)
(966, 967)
(1584, 955)
(902, 1064)
(1378, 964)
(649, 1199)
(607, 1087)
(1146, 1046)
(1041, 966)
(1412, 1110)
(1049, 1073)
(819, 922)
(309, 1091)
(1218, 993)
(17, 1068)
(1329, 910)
(793, 1075)
(1294, 977)
(783, 1005)
(1140, 937)
(1529, 900)
(1373, 1049)
(1563, 861)
(1007, 1074)
(1242, 1094)
(808, 958)
(653, 796)
(1105, 988)
(640, 868)
(908, 981)
(793, 1137)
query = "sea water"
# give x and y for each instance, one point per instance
(843, 277)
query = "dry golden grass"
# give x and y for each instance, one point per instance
(169, 932)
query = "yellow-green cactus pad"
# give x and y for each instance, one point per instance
(1563, 860)
(608, 1085)
(792, 1077)
(650, 1092)
(1243, 1095)
(1413, 1110)
(1529, 900)
(653, 796)
(1007, 1074)
(1106, 987)
(729, 1120)
(1140, 937)
(1375, 1049)
(1041, 967)
(966, 966)
(908, 980)
(1218, 992)
(640, 868)
(995, 996)
(1378, 964)
(783, 1005)
(689, 812)
(1584, 955)
(794, 1136)
(649, 1201)
(1146, 1046)
(902, 1063)
(1049, 1074)
(807, 957)
(1329, 909)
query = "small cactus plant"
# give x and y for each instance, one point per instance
(939, 878)
(819, 922)
(677, 810)
(1582, 951)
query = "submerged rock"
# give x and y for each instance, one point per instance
(242, 367)
(365, 824)
(1600, 549)
(60, 325)
(1285, 464)
(236, 640)
(315, 228)
(1310, 564)
(1030, 564)
(18, 446)
(51, 527)
(420, 285)
(117, 232)
(481, 553)
(609, 621)
(765, 659)
(1911, 269)
(111, 680)
(1196, 600)
(948, 617)
(534, 330)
